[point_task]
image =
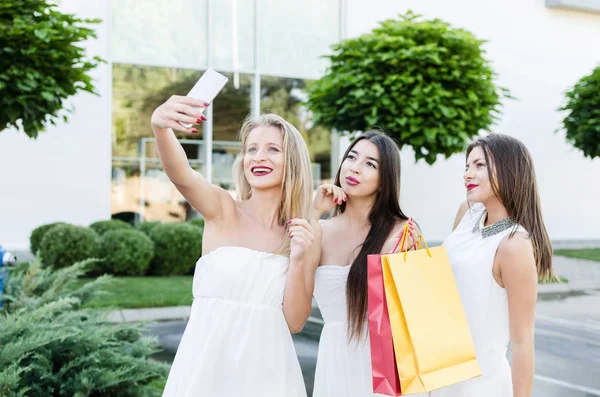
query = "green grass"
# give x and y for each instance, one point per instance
(592, 254)
(556, 279)
(138, 292)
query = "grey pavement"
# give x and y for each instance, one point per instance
(567, 345)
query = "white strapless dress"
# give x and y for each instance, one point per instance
(343, 367)
(237, 342)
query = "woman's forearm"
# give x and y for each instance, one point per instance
(523, 368)
(173, 157)
(297, 299)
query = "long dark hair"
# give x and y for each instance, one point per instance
(513, 181)
(384, 215)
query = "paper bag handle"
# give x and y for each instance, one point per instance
(403, 240)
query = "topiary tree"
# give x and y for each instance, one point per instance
(125, 252)
(38, 234)
(424, 82)
(41, 63)
(582, 123)
(177, 247)
(64, 245)
(102, 227)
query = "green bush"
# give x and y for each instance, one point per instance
(146, 227)
(50, 346)
(177, 247)
(65, 245)
(38, 234)
(42, 63)
(582, 123)
(426, 83)
(199, 222)
(102, 227)
(125, 252)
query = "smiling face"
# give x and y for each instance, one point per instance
(477, 180)
(263, 159)
(359, 172)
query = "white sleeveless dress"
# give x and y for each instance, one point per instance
(237, 342)
(484, 301)
(343, 368)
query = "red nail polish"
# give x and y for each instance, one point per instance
(198, 121)
(203, 117)
(206, 104)
(288, 222)
(194, 130)
(345, 198)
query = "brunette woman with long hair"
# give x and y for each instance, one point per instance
(499, 249)
(367, 219)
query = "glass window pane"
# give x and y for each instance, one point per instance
(137, 91)
(293, 35)
(157, 32)
(227, 53)
(284, 97)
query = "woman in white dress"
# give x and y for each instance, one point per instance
(367, 220)
(498, 250)
(253, 284)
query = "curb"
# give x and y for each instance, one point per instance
(150, 314)
(570, 287)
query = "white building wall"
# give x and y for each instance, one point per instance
(64, 175)
(539, 53)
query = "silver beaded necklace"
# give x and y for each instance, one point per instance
(493, 229)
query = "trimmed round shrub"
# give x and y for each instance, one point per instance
(125, 252)
(582, 123)
(65, 245)
(38, 234)
(146, 227)
(177, 247)
(199, 222)
(102, 227)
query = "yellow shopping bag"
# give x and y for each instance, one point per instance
(432, 341)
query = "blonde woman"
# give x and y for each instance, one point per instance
(254, 282)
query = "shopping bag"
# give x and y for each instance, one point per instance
(432, 342)
(383, 361)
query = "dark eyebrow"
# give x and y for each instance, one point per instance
(370, 158)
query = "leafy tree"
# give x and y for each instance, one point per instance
(41, 63)
(582, 123)
(424, 82)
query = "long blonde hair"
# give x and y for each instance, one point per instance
(297, 187)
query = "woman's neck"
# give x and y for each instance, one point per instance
(357, 212)
(264, 205)
(495, 212)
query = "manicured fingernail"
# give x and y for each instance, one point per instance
(288, 222)
(345, 198)
(206, 104)
(203, 117)
(199, 121)
(194, 130)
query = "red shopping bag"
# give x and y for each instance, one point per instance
(383, 360)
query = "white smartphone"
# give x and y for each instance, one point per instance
(207, 88)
